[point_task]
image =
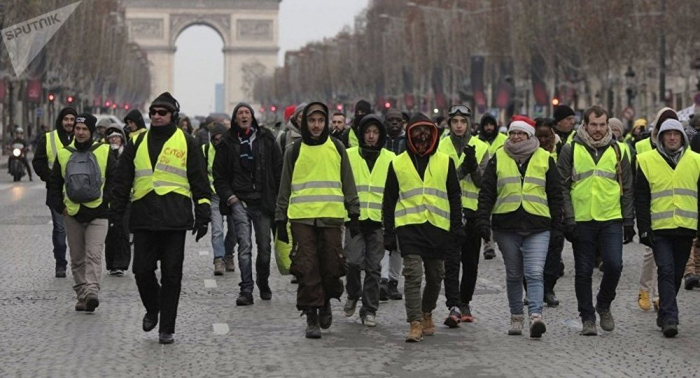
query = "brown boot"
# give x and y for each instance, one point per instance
(219, 266)
(427, 324)
(230, 264)
(415, 334)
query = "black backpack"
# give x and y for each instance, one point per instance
(83, 176)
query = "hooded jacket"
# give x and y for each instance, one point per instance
(424, 239)
(40, 162)
(488, 119)
(368, 153)
(256, 187)
(118, 129)
(352, 202)
(565, 166)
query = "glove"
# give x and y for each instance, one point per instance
(484, 231)
(469, 164)
(629, 234)
(200, 228)
(390, 241)
(354, 226)
(571, 233)
(282, 232)
(647, 238)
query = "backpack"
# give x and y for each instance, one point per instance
(83, 177)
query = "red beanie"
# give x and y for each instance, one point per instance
(288, 112)
(524, 124)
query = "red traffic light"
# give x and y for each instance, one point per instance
(114, 106)
(339, 107)
(69, 99)
(387, 105)
(273, 108)
(555, 101)
(51, 97)
(107, 104)
(126, 106)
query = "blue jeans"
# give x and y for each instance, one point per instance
(524, 255)
(247, 218)
(58, 236)
(607, 237)
(221, 248)
(671, 254)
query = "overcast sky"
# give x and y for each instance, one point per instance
(199, 47)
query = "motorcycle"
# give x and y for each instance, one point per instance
(17, 169)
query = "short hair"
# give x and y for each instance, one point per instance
(596, 111)
(338, 114)
(544, 121)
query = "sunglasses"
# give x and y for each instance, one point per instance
(161, 113)
(462, 109)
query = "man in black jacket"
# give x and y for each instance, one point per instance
(166, 170)
(247, 170)
(44, 158)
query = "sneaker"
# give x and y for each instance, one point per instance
(551, 299)
(91, 302)
(537, 326)
(219, 266)
(691, 281)
(670, 329)
(516, 325)
(325, 315)
(383, 290)
(453, 319)
(466, 312)
(589, 328)
(350, 306)
(80, 306)
(489, 254)
(427, 324)
(415, 333)
(230, 264)
(313, 331)
(244, 299)
(60, 272)
(607, 322)
(166, 338)
(369, 320)
(393, 291)
(643, 300)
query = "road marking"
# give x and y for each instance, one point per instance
(210, 284)
(220, 328)
(203, 253)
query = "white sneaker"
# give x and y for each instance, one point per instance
(369, 320)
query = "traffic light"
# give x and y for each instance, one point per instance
(339, 107)
(69, 99)
(52, 97)
(107, 104)
(126, 106)
(387, 105)
(273, 108)
(114, 106)
(555, 101)
(262, 109)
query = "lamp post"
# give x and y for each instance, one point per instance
(631, 90)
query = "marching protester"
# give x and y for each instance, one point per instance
(337, 125)
(349, 137)
(117, 247)
(520, 200)
(135, 124)
(162, 172)
(247, 170)
(317, 191)
(666, 199)
(79, 188)
(365, 249)
(422, 208)
(599, 213)
(43, 163)
(470, 156)
(488, 132)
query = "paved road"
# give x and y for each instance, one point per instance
(42, 336)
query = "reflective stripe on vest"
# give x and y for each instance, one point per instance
(674, 192)
(470, 192)
(51, 149)
(210, 163)
(102, 155)
(170, 173)
(317, 190)
(424, 200)
(514, 190)
(595, 192)
(370, 185)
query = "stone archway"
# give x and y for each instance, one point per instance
(248, 28)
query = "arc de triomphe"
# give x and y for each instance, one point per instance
(248, 28)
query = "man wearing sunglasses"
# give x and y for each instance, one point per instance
(470, 156)
(162, 172)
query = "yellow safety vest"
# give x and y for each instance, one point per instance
(513, 190)
(595, 192)
(370, 185)
(52, 140)
(674, 192)
(624, 148)
(470, 192)
(102, 155)
(352, 139)
(133, 135)
(497, 143)
(317, 189)
(643, 145)
(570, 138)
(424, 200)
(170, 172)
(210, 162)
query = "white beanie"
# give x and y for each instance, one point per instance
(522, 126)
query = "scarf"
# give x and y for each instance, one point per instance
(586, 138)
(522, 151)
(246, 137)
(674, 156)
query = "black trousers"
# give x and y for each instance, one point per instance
(552, 266)
(117, 248)
(467, 255)
(163, 298)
